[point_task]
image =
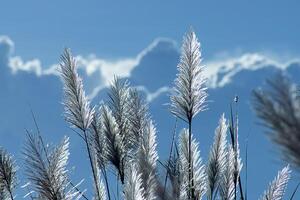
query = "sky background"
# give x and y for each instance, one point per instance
(113, 29)
(138, 40)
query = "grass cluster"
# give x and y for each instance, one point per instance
(120, 136)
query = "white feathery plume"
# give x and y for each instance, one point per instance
(99, 186)
(119, 104)
(227, 180)
(147, 159)
(77, 106)
(8, 178)
(277, 188)
(133, 189)
(58, 171)
(102, 190)
(115, 152)
(199, 175)
(277, 106)
(58, 162)
(98, 139)
(48, 173)
(138, 116)
(189, 93)
(184, 193)
(217, 157)
(237, 159)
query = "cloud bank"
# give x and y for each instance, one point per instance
(149, 63)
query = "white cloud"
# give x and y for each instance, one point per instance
(119, 67)
(17, 64)
(150, 96)
(107, 68)
(8, 43)
(90, 64)
(219, 72)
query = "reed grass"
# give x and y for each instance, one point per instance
(120, 137)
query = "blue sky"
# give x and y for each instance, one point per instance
(121, 28)
(242, 43)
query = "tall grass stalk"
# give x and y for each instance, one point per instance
(77, 107)
(189, 93)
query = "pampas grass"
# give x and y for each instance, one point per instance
(120, 107)
(8, 177)
(138, 115)
(121, 140)
(147, 159)
(133, 189)
(278, 107)
(227, 185)
(277, 187)
(199, 176)
(217, 158)
(77, 108)
(99, 185)
(189, 93)
(47, 171)
(115, 151)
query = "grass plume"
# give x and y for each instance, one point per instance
(8, 177)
